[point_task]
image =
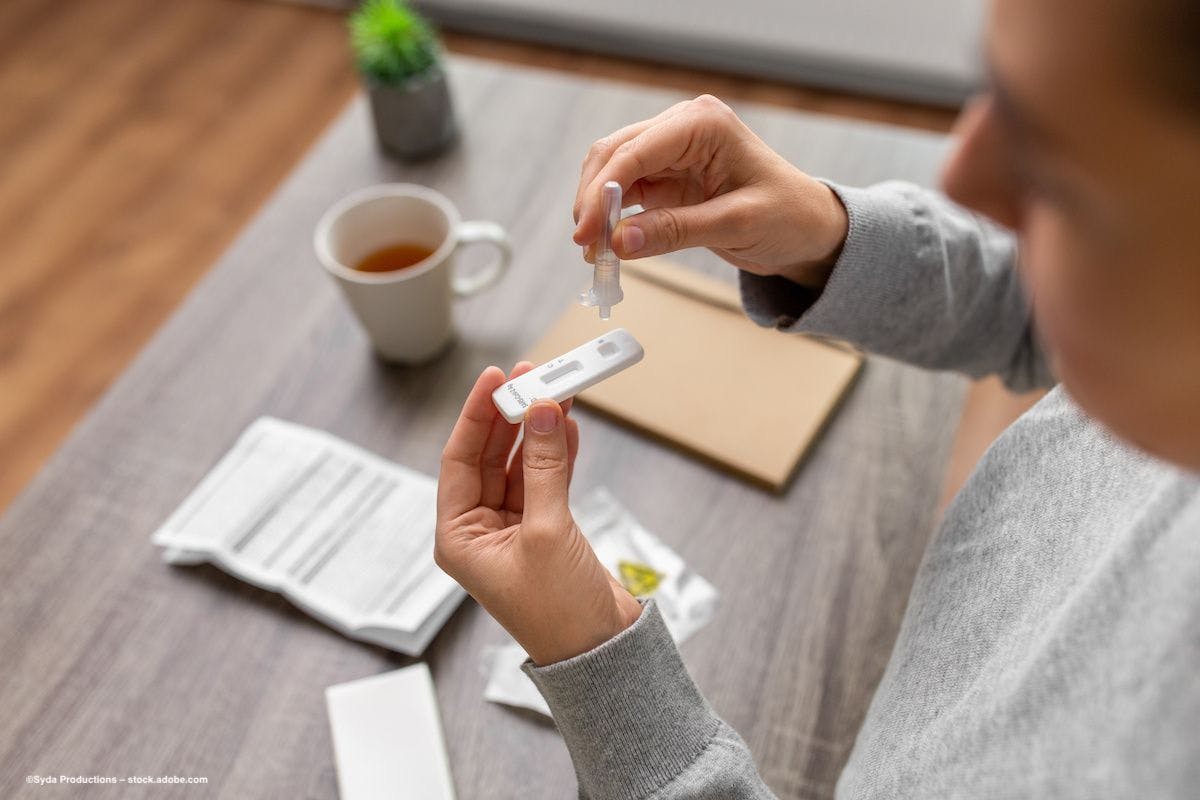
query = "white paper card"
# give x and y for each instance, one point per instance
(387, 738)
(686, 600)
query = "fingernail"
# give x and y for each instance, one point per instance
(542, 417)
(632, 237)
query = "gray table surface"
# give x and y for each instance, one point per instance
(112, 663)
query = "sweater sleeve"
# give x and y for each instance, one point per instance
(919, 279)
(636, 725)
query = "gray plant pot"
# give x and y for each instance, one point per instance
(414, 119)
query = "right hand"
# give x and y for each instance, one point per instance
(706, 180)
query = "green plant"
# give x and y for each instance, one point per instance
(391, 42)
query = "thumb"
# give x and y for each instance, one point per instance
(656, 231)
(546, 467)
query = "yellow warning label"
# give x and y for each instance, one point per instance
(639, 579)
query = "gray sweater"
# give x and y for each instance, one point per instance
(1052, 637)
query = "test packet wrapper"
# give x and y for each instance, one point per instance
(686, 600)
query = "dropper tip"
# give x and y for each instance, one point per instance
(605, 312)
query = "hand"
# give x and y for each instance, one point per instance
(505, 532)
(707, 180)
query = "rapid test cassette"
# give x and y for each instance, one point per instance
(569, 374)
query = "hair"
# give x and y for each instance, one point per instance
(1174, 50)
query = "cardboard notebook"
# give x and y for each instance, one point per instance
(714, 383)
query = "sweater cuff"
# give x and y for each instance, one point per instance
(628, 711)
(858, 287)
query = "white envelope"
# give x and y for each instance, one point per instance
(387, 737)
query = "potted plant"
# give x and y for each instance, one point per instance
(397, 54)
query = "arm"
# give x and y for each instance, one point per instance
(634, 722)
(918, 279)
(637, 726)
(895, 269)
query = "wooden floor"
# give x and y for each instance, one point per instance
(138, 136)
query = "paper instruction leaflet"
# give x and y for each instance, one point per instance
(342, 533)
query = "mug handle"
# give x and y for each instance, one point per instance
(493, 234)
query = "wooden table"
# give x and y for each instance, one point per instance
(113, 663)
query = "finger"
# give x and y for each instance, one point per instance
(572, 447)
(494, 461)
(671, 144)
(602, 149)
(714, 223)
(669, 190)
(546, 467)
(598, 155)
(459, 482)
(514, 492)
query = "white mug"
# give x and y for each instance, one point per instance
(407, 312)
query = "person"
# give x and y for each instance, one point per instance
(1052, 635)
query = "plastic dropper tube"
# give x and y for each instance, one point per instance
(606, 276)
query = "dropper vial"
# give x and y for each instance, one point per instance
(606, 275)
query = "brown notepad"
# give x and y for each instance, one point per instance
(747, 398)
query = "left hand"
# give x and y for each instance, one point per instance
(505, 532)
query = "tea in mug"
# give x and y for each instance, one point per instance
(394, 257)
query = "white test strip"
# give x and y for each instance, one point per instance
(569, 374)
